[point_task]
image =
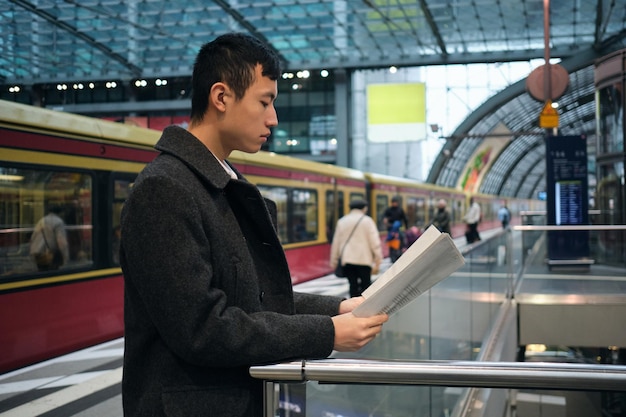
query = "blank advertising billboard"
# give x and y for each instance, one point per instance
(396, 112)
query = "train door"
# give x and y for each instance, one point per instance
(382, 202)
(334, 211)
(302, 216)
(415, 213)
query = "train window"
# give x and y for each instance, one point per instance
(279, 196)
(456, 211)
(297, 212)
(381, 205)
(420, 211)
(303, 215)
(43, 199)
(412, 212)
(356, 196)
(431, 208)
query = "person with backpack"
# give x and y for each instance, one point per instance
(504, 215)
(395, 241)
(356, 245)
(393, 213)
(48, 243)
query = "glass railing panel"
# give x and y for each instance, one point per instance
(449, 322)
(607, 246)
(436, 388)
(531, 237)
(312, 399)
(326, 400)
(489, 279)
(607, 240)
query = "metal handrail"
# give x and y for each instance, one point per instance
(585, 377)
(570, 227)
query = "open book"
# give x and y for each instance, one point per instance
(432, 257)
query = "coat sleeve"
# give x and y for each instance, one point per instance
(316, 304)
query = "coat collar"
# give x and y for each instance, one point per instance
(241, 194)
(183, 145)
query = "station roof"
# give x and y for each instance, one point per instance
(44, 41)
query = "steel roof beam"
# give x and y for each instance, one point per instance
(135, 70)
(249, 27)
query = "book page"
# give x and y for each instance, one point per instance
(420, 245)
(424, 264)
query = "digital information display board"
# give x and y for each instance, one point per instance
(567, 196)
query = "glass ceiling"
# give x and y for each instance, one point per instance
(45, 41)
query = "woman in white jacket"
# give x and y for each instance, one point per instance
(472, 218)
(357, 243)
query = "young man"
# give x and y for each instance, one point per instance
(207, 286)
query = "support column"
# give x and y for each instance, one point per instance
(343, 113)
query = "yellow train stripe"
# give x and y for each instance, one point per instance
(69, 161)
(60, 279)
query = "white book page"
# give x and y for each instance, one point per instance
(417, 248)
(423, 265)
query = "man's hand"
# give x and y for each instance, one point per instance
(350, 304)
(352, 333)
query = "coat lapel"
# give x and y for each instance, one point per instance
(245, 200)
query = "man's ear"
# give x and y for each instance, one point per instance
(218, 95)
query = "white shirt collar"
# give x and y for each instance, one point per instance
(227, 168)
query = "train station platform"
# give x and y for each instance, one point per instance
(565, 307)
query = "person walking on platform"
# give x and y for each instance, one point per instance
(207, 289)
(441, 219)
(394, 213)
(504, 215)
(356, 244)
(472, 218)
(394, 219)
(395, 241)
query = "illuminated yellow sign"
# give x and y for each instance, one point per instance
(549, 117)
(396, 112)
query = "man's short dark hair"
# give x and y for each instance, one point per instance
(358, 204)
(55, 208)
(231, 59)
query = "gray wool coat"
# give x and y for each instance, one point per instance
(207, 289)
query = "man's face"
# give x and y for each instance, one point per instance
(248, 121)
